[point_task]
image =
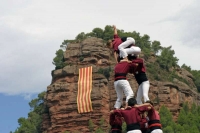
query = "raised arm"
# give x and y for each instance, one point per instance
(115, 30)
(144, 107)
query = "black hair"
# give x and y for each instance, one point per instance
(132, 102)
(124, 39)
(131, 57)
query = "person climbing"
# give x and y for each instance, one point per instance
(131, 115)
(115, 123)
(122, 46)
(121, 84)
(141, 78)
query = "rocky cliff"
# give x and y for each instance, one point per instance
(61, 95)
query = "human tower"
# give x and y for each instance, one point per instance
(138, 113)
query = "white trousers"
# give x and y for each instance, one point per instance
(120, 87)
(135, 131)
(124, 52)
(143, 91)
(157, 131)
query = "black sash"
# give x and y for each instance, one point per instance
(133, 126)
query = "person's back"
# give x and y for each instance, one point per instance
(121, 84)
(131, 116)
(154, 121)
(142, 80)
(122, 67)
(115, 123)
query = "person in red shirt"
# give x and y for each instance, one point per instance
(141, 78)
(154, 121)
(115, 123)
(121, 84)
(144, 123)
(122, 46)
(131, 115)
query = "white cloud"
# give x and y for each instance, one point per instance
(32, 31)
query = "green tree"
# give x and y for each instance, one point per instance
(58, 61)
(64, 44)
(32, 124)
(99, 130)
(91, 125)
(196, 74)
(182, 117)
(167, 59)
(168, 129)
(98, 32)
(108, 32)
(178, 128)
(81, 36)
(166, 117)
(188, 68)
(156, 47)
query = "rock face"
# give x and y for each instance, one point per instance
(61, 95)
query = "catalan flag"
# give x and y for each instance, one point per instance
(84, 90)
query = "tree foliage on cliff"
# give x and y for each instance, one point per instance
(58, 60)
(195, 73)
(159, 70)
(32, 124)
(188, 120)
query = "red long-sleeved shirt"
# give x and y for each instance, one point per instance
(153, 114)
(131, 115)
(124, 68)
(116, 42)
(115, 120)
(141, 67)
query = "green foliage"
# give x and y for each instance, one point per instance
(98, 32)
(166, 117)
(168, 129)
(188, 68)
(101, 123)
(108, 33)
(64, 44)
(81, 58)
(172, 75)
(123, 127)
(188, 120)
(58, 61)
(66, 132)
(91, 125)
(99, 130)
(156, 47)
(196, 75)
(105, 72)
(167, 59)
(154, 71)
(32, 124)
(81, 36)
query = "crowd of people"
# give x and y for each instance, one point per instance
(138, 113)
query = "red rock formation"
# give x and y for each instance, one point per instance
(62, 93)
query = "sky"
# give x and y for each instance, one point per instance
(31, 31)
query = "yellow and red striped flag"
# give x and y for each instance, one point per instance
(84, 90)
